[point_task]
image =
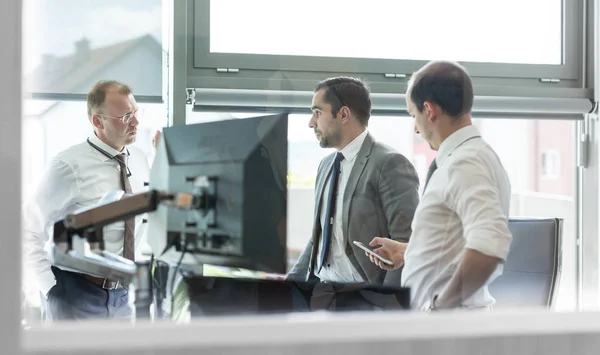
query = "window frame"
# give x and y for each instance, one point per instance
(48, 96)
(296, 101)
(570, 69)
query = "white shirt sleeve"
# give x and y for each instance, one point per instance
(56, 192)
(475, 196)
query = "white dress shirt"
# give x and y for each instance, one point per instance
(77, 178)
(465, 205)
(337, 267)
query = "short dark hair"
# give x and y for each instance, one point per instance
(347, 91)
(444, 83)
(97, 95)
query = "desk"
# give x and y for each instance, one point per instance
(217, 296)
(518, 331)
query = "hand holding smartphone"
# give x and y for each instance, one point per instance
(371, 252)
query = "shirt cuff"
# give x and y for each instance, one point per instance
(46, 281)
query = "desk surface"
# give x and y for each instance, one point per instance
(315, 329)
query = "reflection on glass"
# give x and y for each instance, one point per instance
(52, 126)
(66, 53)
(540, 165)
(116, 39)
(46, 123)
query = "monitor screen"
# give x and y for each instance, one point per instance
(237, 169)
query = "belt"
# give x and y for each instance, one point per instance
(106, 284)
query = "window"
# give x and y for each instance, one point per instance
(534, 35)
(384, 42)
(70, 44)
(550, 164)
(125, 21)
(51, 126)
(419, 161)
(530, 197)
(45, 132)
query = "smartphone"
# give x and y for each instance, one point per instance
(363, 247)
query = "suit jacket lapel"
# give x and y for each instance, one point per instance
(359, 165)
(320, 186)
(321, 182)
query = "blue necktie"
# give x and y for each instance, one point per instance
(329, 216)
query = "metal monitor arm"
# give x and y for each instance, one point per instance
(78, 238)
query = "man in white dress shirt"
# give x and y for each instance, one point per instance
(75, 179)
(460, 231)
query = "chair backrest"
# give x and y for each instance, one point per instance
(532, 269)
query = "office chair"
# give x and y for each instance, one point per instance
(532, 270)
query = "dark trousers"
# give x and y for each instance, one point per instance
(75, 298)
(210, 296)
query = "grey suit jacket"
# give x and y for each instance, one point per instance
(379, 201)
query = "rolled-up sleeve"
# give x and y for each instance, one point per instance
(475, 196)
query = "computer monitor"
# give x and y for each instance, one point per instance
(239, 167)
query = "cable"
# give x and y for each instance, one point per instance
(170, 245)
(175, 272)
(159, 285)
(157, 281)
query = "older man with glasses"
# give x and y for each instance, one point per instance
(77, 178)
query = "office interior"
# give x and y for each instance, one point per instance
(535, 66)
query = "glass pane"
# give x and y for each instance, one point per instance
(46, 124)
(540, 160)
(49, 127)
(462, 30)
(70, 44)
(541, 168)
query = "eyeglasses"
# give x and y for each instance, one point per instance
(126, 118)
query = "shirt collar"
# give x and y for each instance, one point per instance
(453, 141)
(351, 150)
(108, 149)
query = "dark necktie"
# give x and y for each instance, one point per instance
(129, 237)
(432, 169)
(330, 211)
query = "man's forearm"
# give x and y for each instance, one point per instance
(474, 269)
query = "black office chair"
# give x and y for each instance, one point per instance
(532, 269)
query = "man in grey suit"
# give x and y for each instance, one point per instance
(376, 185)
